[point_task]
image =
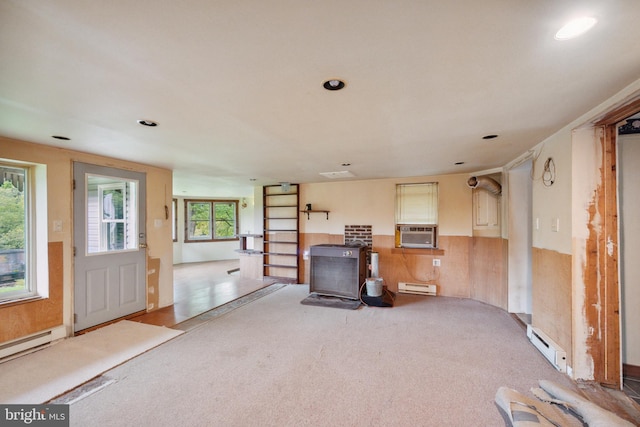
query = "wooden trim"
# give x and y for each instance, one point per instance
(617, 115)
(609, 239)
(631, 371)
(417, 251)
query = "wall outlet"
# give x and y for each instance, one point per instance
(436, 262)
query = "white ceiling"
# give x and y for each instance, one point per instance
(236, 86)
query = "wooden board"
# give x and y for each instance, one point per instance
(26, 318)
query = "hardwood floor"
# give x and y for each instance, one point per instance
(200, 287)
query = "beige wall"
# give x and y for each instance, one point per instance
(59, 164)
(372, 203)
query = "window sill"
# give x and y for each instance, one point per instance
(212, 240)
(26, 300)
(417, 251)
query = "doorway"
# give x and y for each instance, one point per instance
(109, 244)
(628, 149)
(519, 231)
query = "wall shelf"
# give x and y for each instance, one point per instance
(309, 212)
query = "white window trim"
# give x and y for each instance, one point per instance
(37, 238)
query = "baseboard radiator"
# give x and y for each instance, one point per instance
(31, 342)
(417, 288)
(549, 349)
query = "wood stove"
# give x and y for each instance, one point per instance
(338, 270)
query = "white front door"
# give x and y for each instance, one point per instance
(110, 242)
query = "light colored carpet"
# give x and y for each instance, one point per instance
(40, 376)
(428, 361)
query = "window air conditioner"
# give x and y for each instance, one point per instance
(417, 236)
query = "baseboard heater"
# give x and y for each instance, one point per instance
(549, 349)
(29, 343)
(417, 288)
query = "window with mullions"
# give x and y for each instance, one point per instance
(211, 220)
(112, 220)
(13, 233)
(23, 231)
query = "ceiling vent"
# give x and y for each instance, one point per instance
(336, 175)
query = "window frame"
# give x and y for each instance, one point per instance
(36, 233)
(99, 242)
(407, 213)
(211, 236)
(174, 219)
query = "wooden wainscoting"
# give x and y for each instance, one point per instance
(25, 318)
(551, 297)
(488, 271)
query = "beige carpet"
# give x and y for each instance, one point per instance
(40, 376)
(428, 361)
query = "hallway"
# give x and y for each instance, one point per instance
(200, 287)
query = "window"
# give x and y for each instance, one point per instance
(174, 219)
(211, 220)
(112, 214)
(417, 215)
(22, 259)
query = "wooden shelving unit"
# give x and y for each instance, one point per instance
(281, 232)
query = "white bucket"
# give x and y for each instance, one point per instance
(374, 286)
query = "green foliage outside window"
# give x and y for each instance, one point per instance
(12, 217)
(225, 224)
(211, 220)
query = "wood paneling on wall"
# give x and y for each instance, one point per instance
(452, 277)
(551, 298)
(488, 271)
(310, 239)
(23, 319)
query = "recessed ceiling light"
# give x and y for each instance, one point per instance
(492, 136)
(333, 84)
(62, 138)
(147, 123)
(575, 27)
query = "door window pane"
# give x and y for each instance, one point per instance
(112, 214)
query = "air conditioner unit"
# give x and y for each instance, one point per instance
(549, 349)
(417, 236)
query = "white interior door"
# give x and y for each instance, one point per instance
(110, 242)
